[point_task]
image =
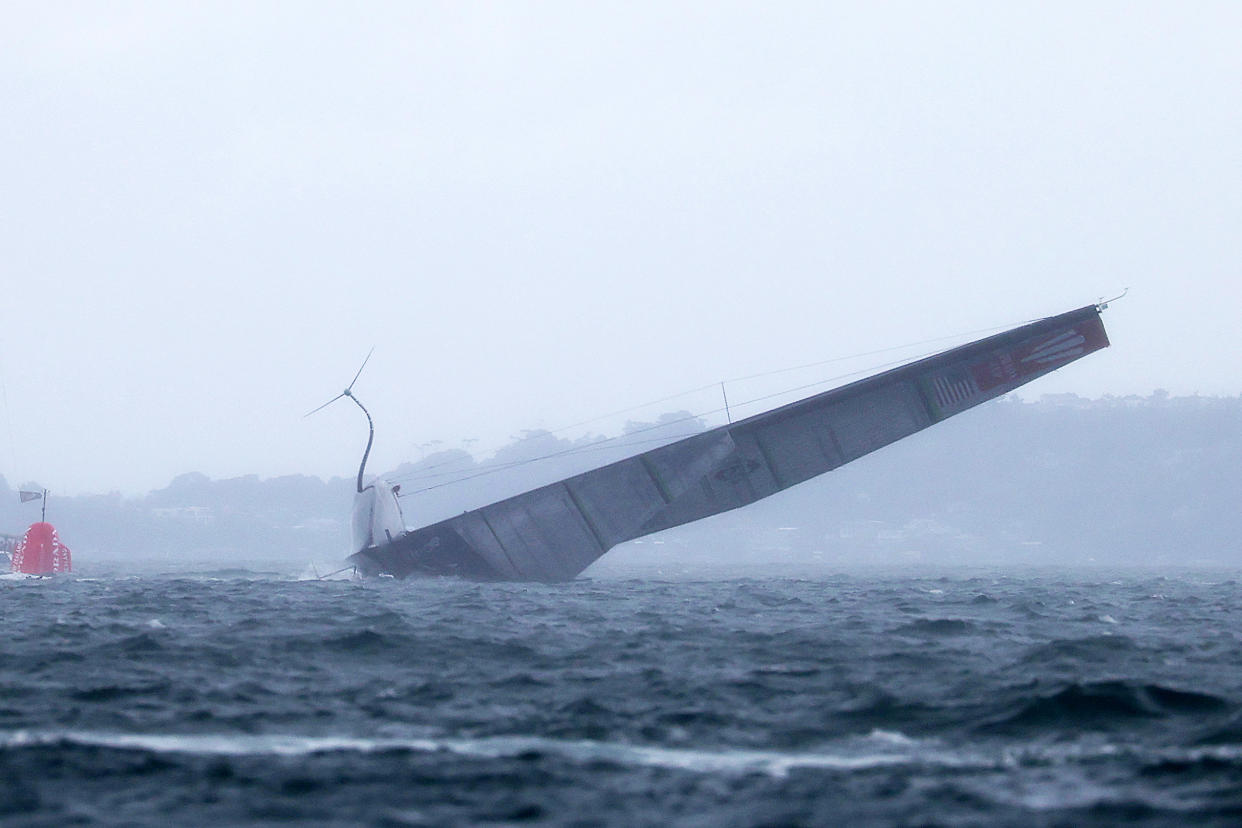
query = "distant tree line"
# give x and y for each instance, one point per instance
(1066, 479)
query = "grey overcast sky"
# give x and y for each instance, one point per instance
(540, 212)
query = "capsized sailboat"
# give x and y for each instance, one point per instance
(554, 532)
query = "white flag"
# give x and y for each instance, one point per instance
(28, 496)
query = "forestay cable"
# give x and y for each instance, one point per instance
(425, 472)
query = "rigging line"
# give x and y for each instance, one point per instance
(593, 446)
(597, 446)
(794, 368)
(537, 433)
(541, 432)
(838, 377)
(633, 408)
(576, 450)
(563, 452)
(879, 351)
(599, 443)
(337, 572)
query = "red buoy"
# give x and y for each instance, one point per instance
(40, 552)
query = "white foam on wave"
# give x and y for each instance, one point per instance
(875, 751)
(209, 744)
(891, 737)
(880, 749)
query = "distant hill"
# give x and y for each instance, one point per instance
(1150, 480)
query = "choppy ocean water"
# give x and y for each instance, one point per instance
(968, 698)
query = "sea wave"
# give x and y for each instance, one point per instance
(879, 749)
(881, 700)
(1101, 703)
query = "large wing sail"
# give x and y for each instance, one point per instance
(554, 532)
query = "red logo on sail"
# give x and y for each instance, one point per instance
(1032, 358)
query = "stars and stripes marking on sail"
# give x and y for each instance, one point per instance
(961, 386)
(953, 388)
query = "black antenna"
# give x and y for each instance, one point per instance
(1103, 304)
(349, 392)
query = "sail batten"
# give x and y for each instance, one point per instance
(554, 532)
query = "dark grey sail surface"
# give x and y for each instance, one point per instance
(555, 532)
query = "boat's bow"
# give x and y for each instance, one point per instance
(377, 515)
